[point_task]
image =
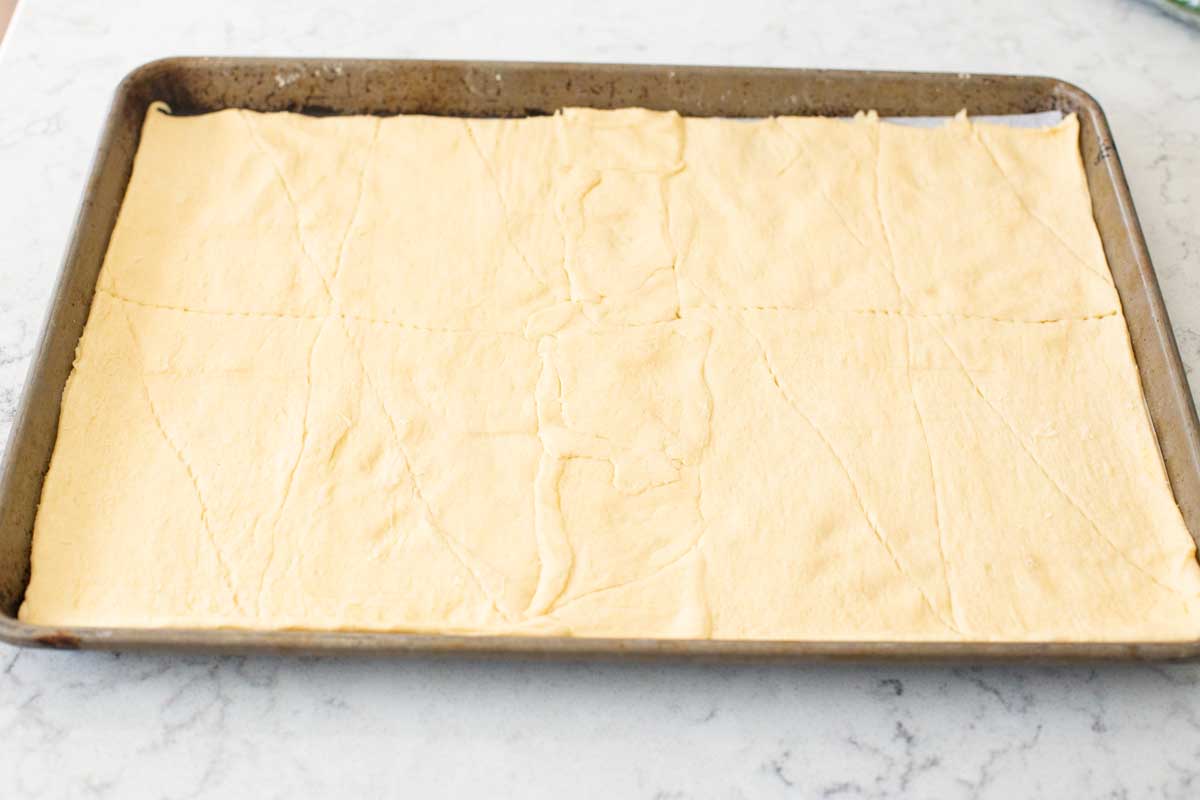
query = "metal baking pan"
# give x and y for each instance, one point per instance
(493, 89)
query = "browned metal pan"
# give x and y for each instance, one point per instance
(491, 89)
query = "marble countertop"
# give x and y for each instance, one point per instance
(75, 724)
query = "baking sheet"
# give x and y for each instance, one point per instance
(197, 85)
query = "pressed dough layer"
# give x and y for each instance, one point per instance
(610, 373)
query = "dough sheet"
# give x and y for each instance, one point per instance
(610, 373)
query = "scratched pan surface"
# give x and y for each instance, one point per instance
(194, 85)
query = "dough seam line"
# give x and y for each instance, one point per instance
(732, 309)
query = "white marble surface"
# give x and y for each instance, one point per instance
(129, 726)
